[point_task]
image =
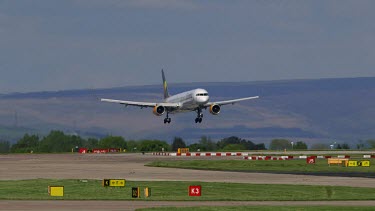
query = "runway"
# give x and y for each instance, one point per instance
(131, 167)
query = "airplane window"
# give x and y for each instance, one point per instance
(202, 94)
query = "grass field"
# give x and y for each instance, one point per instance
(178, 191)
(260, 208)
(279, 166)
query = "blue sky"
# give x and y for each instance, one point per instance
(74, 44)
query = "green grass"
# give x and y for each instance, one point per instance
(280, 166)
(178, 191)
(260, 208)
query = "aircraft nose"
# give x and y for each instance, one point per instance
(203, 99)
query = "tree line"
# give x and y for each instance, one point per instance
(58, 141)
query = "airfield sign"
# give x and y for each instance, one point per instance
(310, 160)
(195, 190)
(114, 183)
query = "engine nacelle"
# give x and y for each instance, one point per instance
(215, 109)
(159, 110)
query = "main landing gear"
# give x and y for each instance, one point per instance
(167, 119)
(199, 117)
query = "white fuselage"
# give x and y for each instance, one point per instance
(189, 100)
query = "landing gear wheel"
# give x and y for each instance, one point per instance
(167, 119)
(199, 116)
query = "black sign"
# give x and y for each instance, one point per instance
(106, 182)
(135, 193)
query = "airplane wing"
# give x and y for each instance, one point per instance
(141, 104)
(231, 101)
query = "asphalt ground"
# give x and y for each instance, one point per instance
(131, 167)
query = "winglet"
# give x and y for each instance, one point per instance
(165, 86)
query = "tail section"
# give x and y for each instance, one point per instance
(165, 86)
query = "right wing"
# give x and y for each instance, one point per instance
(141, 104)
(231, 101)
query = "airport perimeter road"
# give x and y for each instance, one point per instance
(132, 205)
(131, 167)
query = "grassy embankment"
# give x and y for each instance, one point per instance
(279, 166)
(178, 191)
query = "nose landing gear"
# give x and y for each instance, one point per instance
(199, 117)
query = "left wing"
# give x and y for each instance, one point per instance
(141, 104)
(220, 103)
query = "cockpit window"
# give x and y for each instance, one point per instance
(202, 94)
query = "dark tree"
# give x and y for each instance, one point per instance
(112, 142)
(280, 144)
(300, 145)
(345, 146)
(260, 146)
(178, 143)
(27, 143)
(206, 144)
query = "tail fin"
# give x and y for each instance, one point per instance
(165, 86)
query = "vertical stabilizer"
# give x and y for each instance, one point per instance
(165, 86)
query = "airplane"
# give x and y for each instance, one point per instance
(193, 100)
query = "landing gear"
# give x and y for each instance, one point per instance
(199, 117)
(167, 119)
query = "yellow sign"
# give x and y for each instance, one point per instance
(117, 183)
(364, 163)
(352, 163)
(56, 190)
(147, 192)
(114, 183)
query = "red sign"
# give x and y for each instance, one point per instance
(195, 190)
(310, 160)
(82, 150)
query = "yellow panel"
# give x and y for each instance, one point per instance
(352, 163)
(117, 183)
(147, 192)
(365, 163)
(56, 190)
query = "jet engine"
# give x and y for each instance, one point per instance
(158, 110)
(215, 109)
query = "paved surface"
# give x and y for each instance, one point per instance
(131, 167)
(132, 205)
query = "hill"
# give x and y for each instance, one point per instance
(319, 110)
